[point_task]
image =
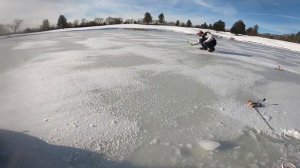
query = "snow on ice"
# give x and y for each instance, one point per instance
(116, 91)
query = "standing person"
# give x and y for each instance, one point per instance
(207, 41)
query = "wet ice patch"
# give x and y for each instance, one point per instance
(35, 44)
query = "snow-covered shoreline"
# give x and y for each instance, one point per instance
(244, 38)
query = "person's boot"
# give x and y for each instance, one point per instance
(203, 48)
(211, 50)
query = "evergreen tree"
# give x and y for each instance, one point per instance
(147, 18)
(182, 24)
(161, 18)
(297, 40)
(45, 25)
(204, 26)
(249, 31)
(219, 26)
(62, 22)
(188, 23)
(252, 31)
(198, 26)
(177, 23)
(255, 30)
(238, 28)
(210, 26)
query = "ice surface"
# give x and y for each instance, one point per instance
(35, 44)
(145, 96)
(243, 38)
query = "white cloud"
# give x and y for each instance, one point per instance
(34, 11)
(198, 11)
(280, 28)
(217, 7)
(276, 15)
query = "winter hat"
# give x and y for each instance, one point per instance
(200, 33)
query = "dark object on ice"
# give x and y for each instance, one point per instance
(211, 50)
(279, 68)
(253, 104)
(257, 104)
(207, 41)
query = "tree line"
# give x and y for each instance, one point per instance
(238, 28)
(14, 26)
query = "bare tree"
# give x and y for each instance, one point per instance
(112, 20)
(76, 23)
(98, 21)
(15, 25)
(3, 29)
(45, 25)
(70, 25)
(83, 22)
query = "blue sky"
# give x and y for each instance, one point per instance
(273, 16)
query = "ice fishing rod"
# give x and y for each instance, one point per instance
(284, 164)
(257, 111)
(266, 122)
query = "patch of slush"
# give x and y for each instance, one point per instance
(110, 61)
(35, 44)
(115, 136)
(292, 133)
(251, 149)
(55, 104)
(106, 78)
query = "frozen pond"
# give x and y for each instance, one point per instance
(131, 98)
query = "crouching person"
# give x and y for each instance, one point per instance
(207, 41)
